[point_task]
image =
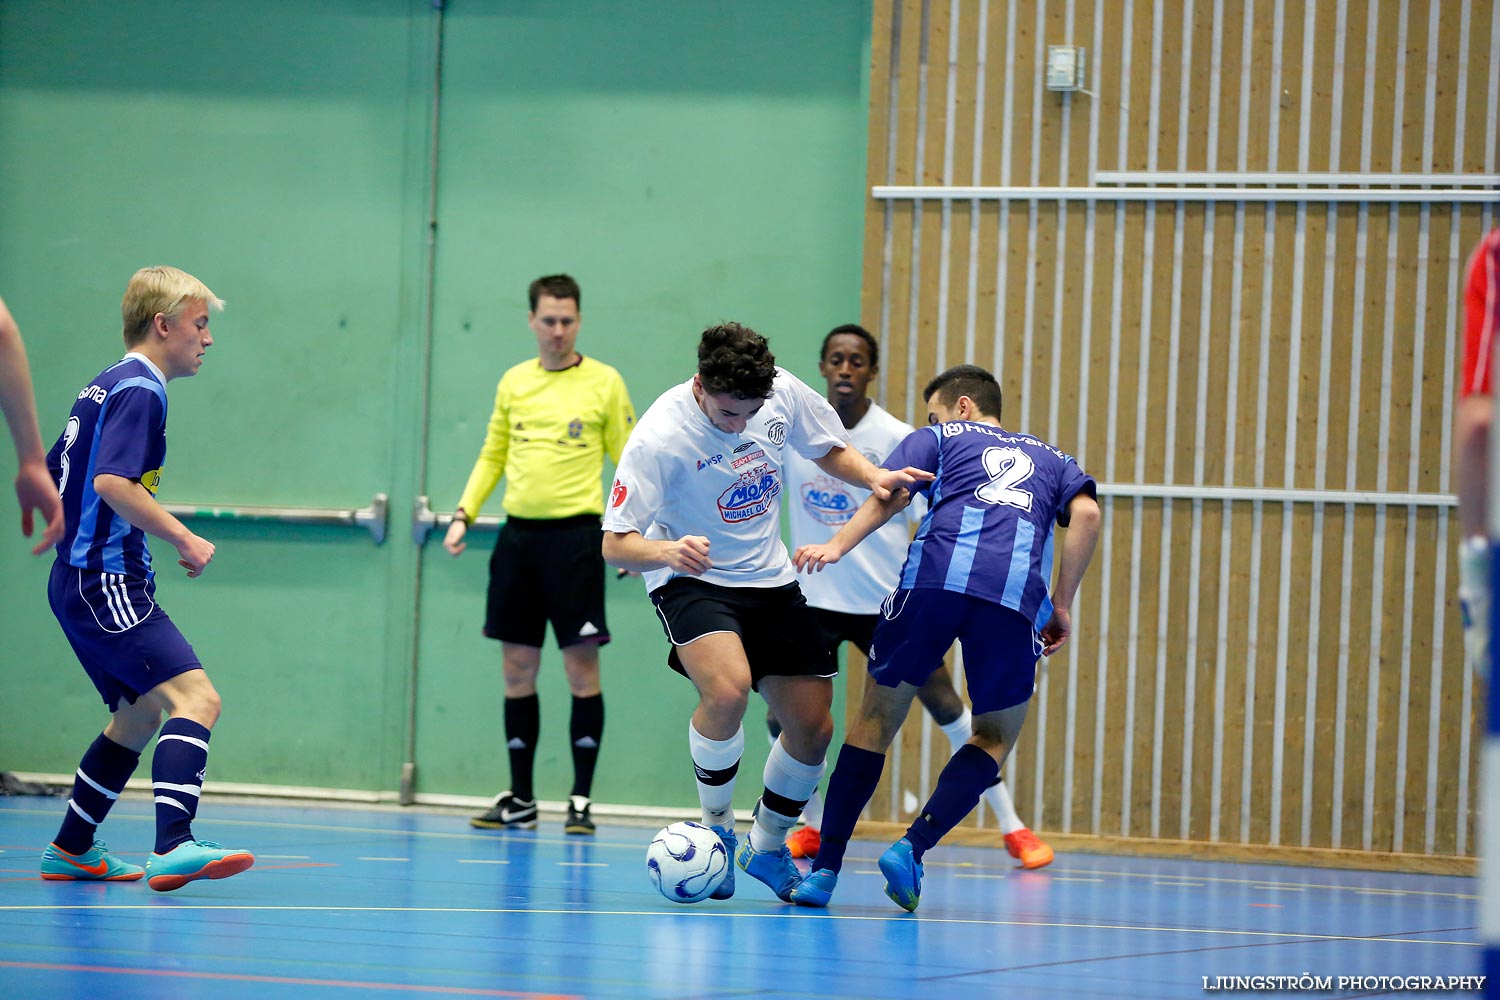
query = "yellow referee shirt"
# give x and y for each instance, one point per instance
(548, 436)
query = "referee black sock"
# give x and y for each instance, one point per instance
(587, 729)
(523, 722)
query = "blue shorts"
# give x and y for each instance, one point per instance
(917, 627)
(127, 644)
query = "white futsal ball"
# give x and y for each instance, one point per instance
(687, 861)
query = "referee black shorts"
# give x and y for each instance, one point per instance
(778, 630)
(547, 571)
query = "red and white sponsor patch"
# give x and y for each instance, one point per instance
(617, 494)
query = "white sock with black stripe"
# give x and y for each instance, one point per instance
(716, 762)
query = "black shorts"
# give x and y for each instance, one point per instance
(778, 630)
(838, 627)
(543, 571)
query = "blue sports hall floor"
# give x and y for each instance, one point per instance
(382, 902)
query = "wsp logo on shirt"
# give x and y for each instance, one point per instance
(752, 495)
(827, 502)
(704, 463)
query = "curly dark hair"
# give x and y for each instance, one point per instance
(854, 329)
(736, 360)
(966, 380)
(559, 286)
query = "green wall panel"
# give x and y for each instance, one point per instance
(688, 163)
(261, 147)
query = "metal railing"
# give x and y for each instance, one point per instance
(371, 518)
(425, 520)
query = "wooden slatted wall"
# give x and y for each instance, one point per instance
(1245, 671)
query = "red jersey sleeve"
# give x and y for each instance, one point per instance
(1481, 316)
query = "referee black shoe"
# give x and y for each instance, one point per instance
(578, 820)
(508, 813)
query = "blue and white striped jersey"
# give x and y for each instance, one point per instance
(118, 426)
(988, 529)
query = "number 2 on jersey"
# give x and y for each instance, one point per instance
(1007, 468)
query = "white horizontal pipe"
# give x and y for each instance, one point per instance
(371, 518)
(1165, 491)
(1318, 196)
(1288, 177)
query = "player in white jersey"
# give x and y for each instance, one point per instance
(846, 598)
(696, 508)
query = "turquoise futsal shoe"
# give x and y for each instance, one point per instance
(192, 860)
(775, 868)
(726, 887)
(816, 889)
(903, 875)
(94, 865)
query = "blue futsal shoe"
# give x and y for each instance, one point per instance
(726, 887)
(903, 875)
(816, 889)
(192, 860)
(775, 868)
(94, 865)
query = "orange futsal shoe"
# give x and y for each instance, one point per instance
(804, 842)
(1023, 844)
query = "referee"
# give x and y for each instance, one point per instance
(554, 419)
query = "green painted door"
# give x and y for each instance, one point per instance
(687, 162)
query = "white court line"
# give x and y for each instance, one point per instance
(1272, 887)
(481, 861)
(1218, 880)
(800, 914)
(1181, 885)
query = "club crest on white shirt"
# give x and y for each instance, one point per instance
(827, 501)
(753, 494)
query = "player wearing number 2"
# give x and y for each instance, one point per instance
(846, 601)
(977, 572)
(107, 465)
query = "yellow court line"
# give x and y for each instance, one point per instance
(802, 914)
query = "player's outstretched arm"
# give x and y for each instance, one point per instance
(869, 518)
(629, 550)
(36, 492)
(1077, 550)
(34, 487)
(849, 465)
(134, 503)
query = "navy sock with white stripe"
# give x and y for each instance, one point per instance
(177, 778)
(100, 779)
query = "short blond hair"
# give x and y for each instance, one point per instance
(162, 290)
